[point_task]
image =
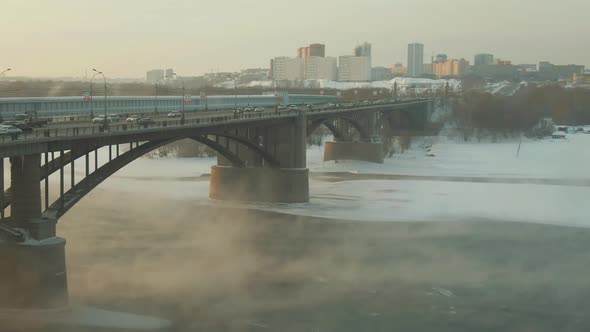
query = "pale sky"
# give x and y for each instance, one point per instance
(125, 38)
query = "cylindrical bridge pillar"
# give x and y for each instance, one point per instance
(25, 172)
(34, 268)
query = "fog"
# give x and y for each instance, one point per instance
(143, 242)
(221, 267)
(149, 241)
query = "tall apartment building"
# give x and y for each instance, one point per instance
(363, 50)
(450, 68)
(287, 69)
(316, 49)
(154, 76)
(415, 59)
(483, 59)
(354, 68)
(321, 68)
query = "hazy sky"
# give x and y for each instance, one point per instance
(124, 38)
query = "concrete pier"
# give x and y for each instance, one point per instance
(33, 268)
(33, 274)
(259, 184)
(342, 150)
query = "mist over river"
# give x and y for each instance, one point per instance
(208, 268)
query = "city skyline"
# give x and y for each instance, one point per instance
(137, 36)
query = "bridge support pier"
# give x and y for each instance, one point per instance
(259, 184)
(287, 183)
(34, 267)
(344, 150)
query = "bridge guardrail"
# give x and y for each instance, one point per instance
(127, 127)
(57, 132)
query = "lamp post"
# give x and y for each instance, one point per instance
(91, 97)
(156, 96)
(182, 81)
(5, 71)
(105, 124)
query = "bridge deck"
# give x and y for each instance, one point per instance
(63, 136)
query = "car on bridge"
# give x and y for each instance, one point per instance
(100, 119)
(9, 130)
(133, 118)
(259, 109)
(248, 109)
(18, 124)
(174, 114)
(145, 121)
(114, 117)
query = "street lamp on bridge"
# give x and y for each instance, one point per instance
(183, 96)
(105, 125)
(91, 96)
(5, 71)
(156, 96)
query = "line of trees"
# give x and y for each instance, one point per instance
(523, 110)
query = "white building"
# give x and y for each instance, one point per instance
(354, 68)
(287, 69)
(320, 68)
(154, 76)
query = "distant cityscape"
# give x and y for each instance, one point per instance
(310, 63)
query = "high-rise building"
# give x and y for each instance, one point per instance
(318, 50)
(440, 58)
(287, 69)
(450, 68)
(312, 50)
(354, 68)
(169, 73)
(415, 59)
(321, 68)
(483, 59)
(381, 74)
(154, 76)
(302, 52)
(363, 50)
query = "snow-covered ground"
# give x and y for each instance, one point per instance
(445, 187)
(556, 159)
(404, 84)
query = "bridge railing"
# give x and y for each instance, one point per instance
(87, 129)
(122, 127)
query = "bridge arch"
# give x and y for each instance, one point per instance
(91, 180)
(327, 122)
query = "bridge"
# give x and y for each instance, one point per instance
(261, 157)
